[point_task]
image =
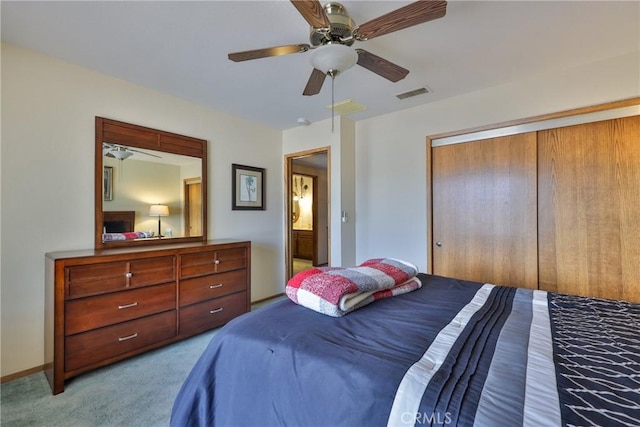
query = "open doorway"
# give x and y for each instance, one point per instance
(307, 207)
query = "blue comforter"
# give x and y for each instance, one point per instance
(451, 353)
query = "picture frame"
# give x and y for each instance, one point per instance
(107, 186)
(248, 188)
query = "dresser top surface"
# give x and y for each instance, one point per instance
(82, 253)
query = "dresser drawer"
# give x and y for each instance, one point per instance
(94, 312)
(94, 346)
(152, 271)
(211, 313)
(199, 264)
(212, 286)
(93, 279)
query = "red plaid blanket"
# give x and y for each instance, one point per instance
(336, 291)
(130, 235)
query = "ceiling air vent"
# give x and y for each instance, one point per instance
(412, 93)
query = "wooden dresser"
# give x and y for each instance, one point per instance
(102, 306)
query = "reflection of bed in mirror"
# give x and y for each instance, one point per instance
(119, 225)
(118, 221)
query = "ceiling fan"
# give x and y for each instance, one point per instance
(121, 152)
(333, 32)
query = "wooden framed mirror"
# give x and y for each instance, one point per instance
(150, 186)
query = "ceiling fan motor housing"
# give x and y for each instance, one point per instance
(341, 29)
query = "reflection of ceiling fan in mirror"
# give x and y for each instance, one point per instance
(122, 152)
(333, 32)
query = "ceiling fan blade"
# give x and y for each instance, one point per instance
(143, 152)
(313, 12)
(315, 83)
(413, 14)
(381, 66)
(267, 52)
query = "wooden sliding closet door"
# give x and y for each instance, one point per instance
(484, 210)
(589, 209)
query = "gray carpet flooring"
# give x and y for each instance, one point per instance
(135, 392)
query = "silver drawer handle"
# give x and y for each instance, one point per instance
(219, 285)
(133, 304)
(216, 262)
(217, 310)
(128, 337)
(128, 275)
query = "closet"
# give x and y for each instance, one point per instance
(551, 207)
(484, 211)
(589, 209)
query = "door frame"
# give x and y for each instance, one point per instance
(187, 182)
(288, 194)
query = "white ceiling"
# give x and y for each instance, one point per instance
(181, 48)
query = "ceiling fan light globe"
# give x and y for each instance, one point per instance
(333, 59)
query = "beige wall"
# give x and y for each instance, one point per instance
(47, 153)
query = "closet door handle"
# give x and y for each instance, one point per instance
(438, 244)
(216, 262)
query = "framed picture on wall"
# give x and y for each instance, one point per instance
(107, 188)
(248, 184)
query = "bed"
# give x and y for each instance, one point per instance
(452, 352)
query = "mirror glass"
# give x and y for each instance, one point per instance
(145, 178)
(302, 203)
(150, 186)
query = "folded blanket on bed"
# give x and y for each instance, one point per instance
(336, 291)
(130, 235)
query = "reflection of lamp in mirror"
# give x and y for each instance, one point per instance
(159, 211)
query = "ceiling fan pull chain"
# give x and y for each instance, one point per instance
(333, 104)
